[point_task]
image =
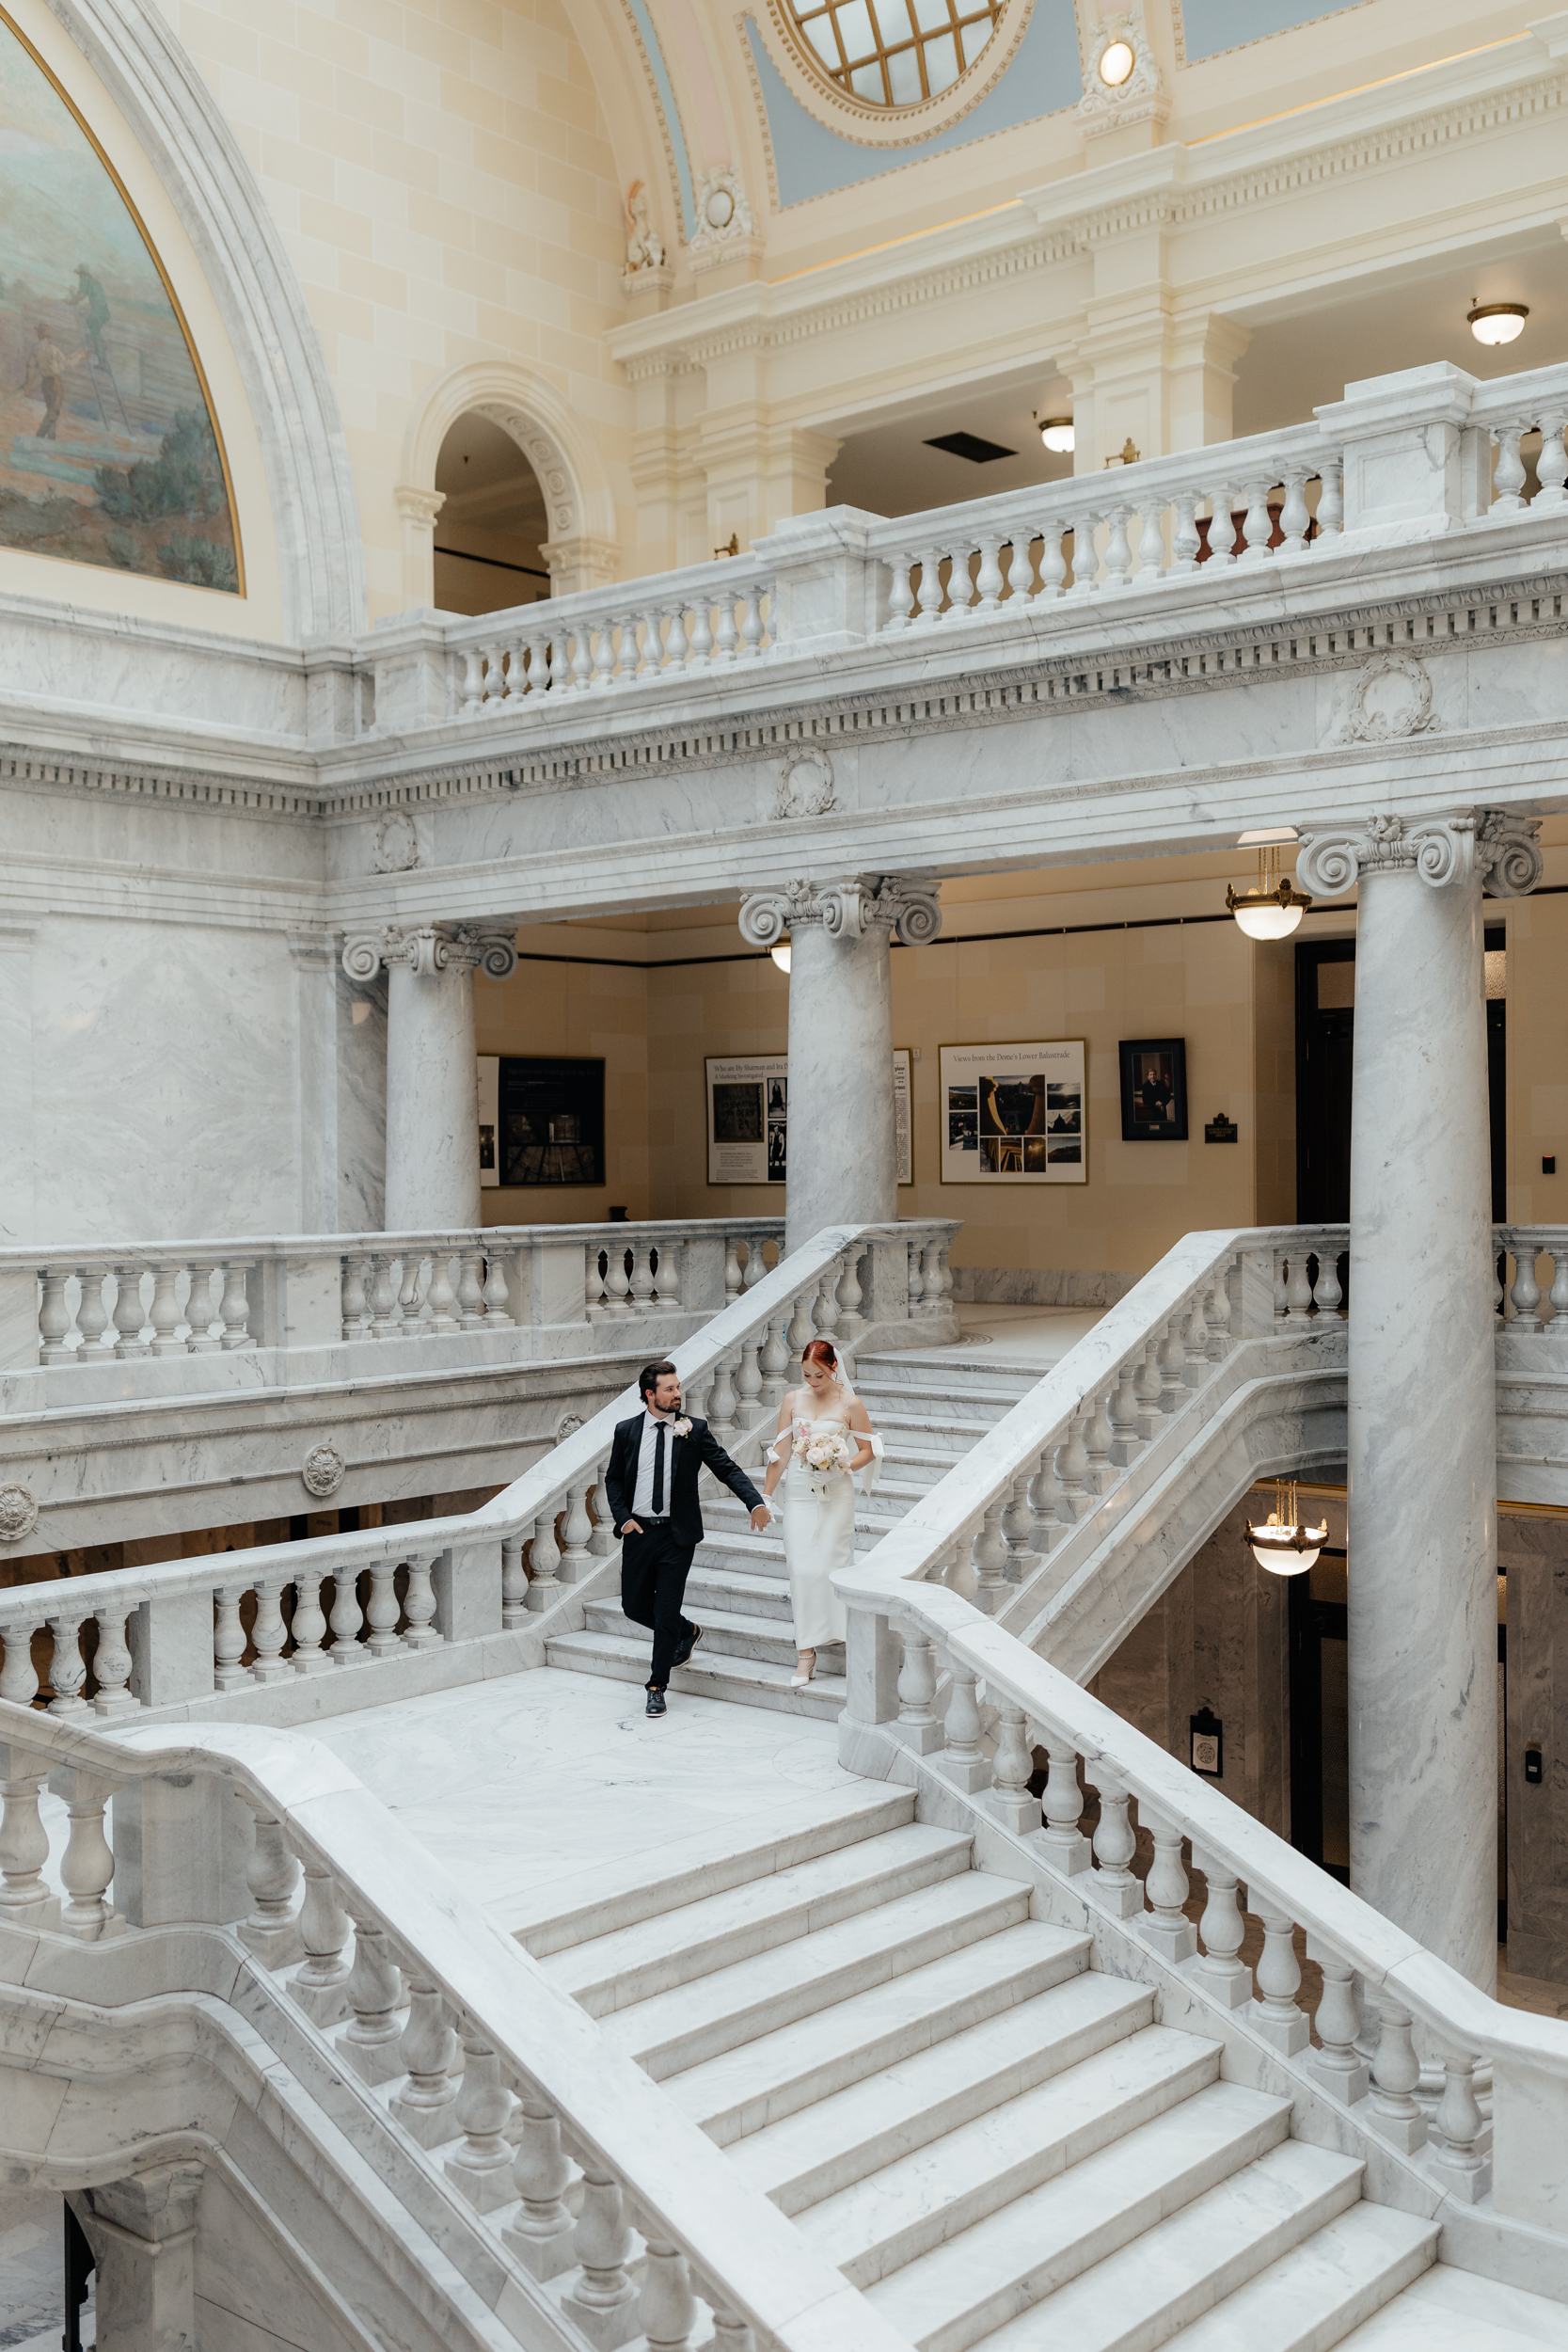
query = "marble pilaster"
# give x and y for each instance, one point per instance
(843, 1168)
(1422, 1617)
(432, 1073)
(142, 2231)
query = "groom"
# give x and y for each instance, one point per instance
(651, 1488)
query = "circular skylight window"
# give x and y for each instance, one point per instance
(894, 53)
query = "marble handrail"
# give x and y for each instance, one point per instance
(169, 1633)
(370, 1887)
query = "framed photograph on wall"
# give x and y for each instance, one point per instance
(551, 1114)
(1015, 1114)
(748, 1118)
(1153, 1089)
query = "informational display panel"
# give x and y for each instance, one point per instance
(748, 1118)
(1014, 1114)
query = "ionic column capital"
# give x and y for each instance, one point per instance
(847, 908)
(428, 949)
(1488, 845)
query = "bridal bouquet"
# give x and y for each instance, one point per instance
(822, 1456)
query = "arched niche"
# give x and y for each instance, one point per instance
(580, 548)
(494, 521)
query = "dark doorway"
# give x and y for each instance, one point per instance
(1325, 1032)
(1320, 1715)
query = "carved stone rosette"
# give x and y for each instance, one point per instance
(429, 948)
(846, 910)
(1489, 845)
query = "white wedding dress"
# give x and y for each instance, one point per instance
(819, 1523)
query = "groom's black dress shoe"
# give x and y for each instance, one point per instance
(688, 1645)
(656, 1703)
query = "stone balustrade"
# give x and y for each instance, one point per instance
(91, 1308)
(475, 2086)
(241, 1624)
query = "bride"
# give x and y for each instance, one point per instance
(820, 1521)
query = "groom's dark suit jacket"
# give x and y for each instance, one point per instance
(688, 1453)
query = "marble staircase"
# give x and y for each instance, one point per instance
(1001, 2146)
(930, 1406)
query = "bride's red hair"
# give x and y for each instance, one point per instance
(819, 1352)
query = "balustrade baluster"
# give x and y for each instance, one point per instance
(697, 1391)
(1017, 1528)
(111, 1666)
(1073, 1470)
(989, 1555)
(916, 1279)
(68, 1669)
(1551, 466)
(1277, 2017)
(724, 645)
(1166, 1925)
(1063, 1805)
(962, 1760)
(594, 1302)
(1118, 555)
(667, 2312)
(617, 1283)
(1100, 1477)
(426, 2105)
(535, 677)
(602, 1542)
(87, 1863)
(544, 1561)
(901, 602)
(1222, 1928)
(945, 1273)
(319, 1984)
(918, 1726)
(827, 1300)
(472, 688)
(310, 1626)
(1171, 1357)
(128, 1313)
(1338, 2065)
(540, 2233)
(642, 1285)
(1457, 2154)
(603, 657)
(851, 1320)
(1222, 527)
(25, 1900)
(1526, 1290)
(929, 594)
(582, 659)
(109, 1291)
(1294, 520)
(1054, 565)
(513, 1584)
(575, 1529)
(1045, 1498)
(1148, 1391)
(747, 1384)
(1185, 539)
(604, 2301)
(419, 1602)
(753, 627)
(355, 1320)
(1195, 1343)
(1509, 477)
(19, 1682)
(1499, 1304)
(53, 1317)
(733, 1277)
(92, 1316)
(471, 1290)
(166, 1315)
(346, 1618)
(229, 1638)
(383, 1610)
(271, 1932)
(674, 643)
(801, 1330)
(439, 1295)
(1217, 1316)
(1560, 1289)
(722, 1405)
(774, 1365)
(1151, 544)
(1328, 1291)
(671, 1255)
(371, 2043)
(204, 1340)
(497, 1301)
(269, 1632)
(702, 636)
(1114, 1846)
(480, 2166)
(988, 581)
(1331, 500)
(934, 1302)
(1011, 1766)
(1258, 529)
(1125, 1434)
(1396, 2071)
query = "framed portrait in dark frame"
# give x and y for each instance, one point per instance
(1153, 1089)
(551, 1120)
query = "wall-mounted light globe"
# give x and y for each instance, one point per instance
(1495, 322)
(781, 955)
(1117, 63)
(719, 211)
(1059, 435)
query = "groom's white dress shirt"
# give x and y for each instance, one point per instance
(642, 1494)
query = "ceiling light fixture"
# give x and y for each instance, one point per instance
(781, 955)
(1059, 435)
(1274, 908)
(1117, 64)
(1282, 1544)
(1497, 322)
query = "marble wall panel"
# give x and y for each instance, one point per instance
(360, 1020)
(18, 1147)
(1533, 1554)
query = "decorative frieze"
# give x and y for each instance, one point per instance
(1458, 846)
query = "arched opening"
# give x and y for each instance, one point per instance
(493, 521)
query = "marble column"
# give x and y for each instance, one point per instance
(431, 1071)
(1423, 1406)
(142, 2231)
(843, 1168)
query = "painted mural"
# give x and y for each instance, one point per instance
(108, 452)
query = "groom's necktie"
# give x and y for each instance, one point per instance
(658, 1472)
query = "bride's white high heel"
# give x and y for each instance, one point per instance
(799, 1681)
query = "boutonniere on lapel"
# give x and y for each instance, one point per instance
(682, 1428)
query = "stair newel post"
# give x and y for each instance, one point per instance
(541, 2234)
(668, 2308)
(1457, 2153)
(372, 2042)
(1166, 1925)
(1011, 1766)
(604, 2303)
(1115, 1844)
(480, 2166)
(544, 1559)
(1338, 2065)
(1063, 1807)
(1396, 2071)
(1125, 1436)
(319, 1983)
(918, 1726)
(774, 1362)
(989, 1552)
(575, 1529)
(426, 2104)
(1278, 2018)
(1044, 1497)
(1222, 1928)
(963, 1760)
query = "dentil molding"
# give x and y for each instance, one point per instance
(429, 948)
(846, 910)
(1457, 846)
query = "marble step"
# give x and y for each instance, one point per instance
(1457, 2310)
(991, 1392)
(1185, 2263)
(611, 1895)
(964, 2291)
(745, 1592)
(781, 2073)
(632, 1964)
(932, 2194)
(814, 2154)
(725, 1633)
(678, 2030)
(748, 1681)
(1311, 2297)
